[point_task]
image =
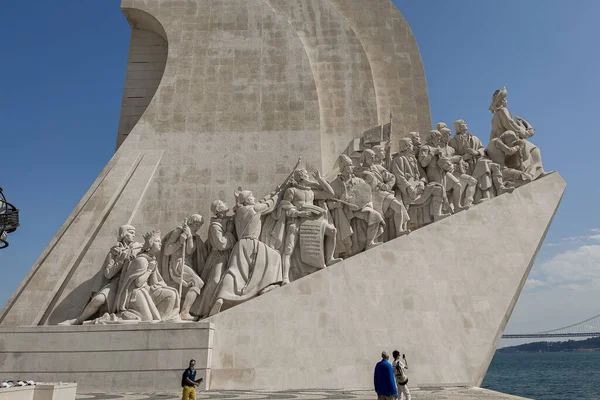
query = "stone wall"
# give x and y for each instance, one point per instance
(107, 358)
(145, 67)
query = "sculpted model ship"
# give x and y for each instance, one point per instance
(305, 224)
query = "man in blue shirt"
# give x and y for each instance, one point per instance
(189, 382)
(385, 382)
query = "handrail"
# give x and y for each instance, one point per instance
(9, 219)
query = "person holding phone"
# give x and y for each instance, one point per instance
(189, 382)
(400, 365)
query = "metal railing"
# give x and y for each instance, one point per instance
(9, 219)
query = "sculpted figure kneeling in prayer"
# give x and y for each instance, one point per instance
(508, 151)
(254, 268)
(503, 121)
(382, 183)
(143, 294)
(299, 208)
(424, 200)
(119, 255)
(221, 240)
(186, 236)
(352, 209)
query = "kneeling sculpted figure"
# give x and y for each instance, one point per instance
(254, 268)
(508, 151)
(119, 255)
(173, 261)
(143, 294)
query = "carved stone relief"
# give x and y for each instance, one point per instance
(309, 223)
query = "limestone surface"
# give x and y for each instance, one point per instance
(442, 295)
(221, 94)
(115, 358)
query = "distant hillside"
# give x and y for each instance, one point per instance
(592, 344)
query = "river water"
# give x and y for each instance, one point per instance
(547, 376)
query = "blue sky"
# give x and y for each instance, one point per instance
(63, 69)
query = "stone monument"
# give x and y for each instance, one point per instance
(299, 285)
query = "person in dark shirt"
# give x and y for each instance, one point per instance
(384, 380)
(189, 382)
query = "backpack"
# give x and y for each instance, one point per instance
(400, 374)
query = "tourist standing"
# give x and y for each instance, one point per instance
(189, 382)
(385, 383)
(400, 365)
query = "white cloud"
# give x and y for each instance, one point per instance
(562, 290)
(534, 283)
(572, 240)
(580, 266)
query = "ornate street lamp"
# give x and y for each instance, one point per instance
(9, 219)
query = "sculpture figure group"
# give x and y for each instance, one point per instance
(309, 223)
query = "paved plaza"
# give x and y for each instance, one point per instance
(421, 394)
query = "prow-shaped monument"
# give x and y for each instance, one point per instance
(307, 277)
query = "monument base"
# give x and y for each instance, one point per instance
(107, 358)
(442, 295)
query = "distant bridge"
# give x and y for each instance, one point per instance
(588, 328)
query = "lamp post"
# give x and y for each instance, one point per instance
(9, 219)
